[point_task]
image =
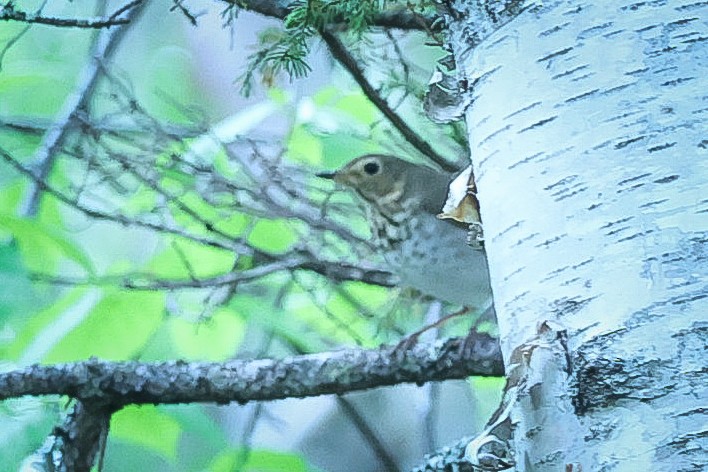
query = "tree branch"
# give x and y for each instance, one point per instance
(39, 126)
(342, 55)
(76, 443)
(369, 435)
(333, 270)
(10, 13)
(118, 218)
(397, 19)
(106, 44)
(124, 383)
(272, 180)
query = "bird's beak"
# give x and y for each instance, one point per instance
(327, 175)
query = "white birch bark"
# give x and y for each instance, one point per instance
(588, 125)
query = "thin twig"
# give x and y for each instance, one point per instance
(125, 8)
(334, 271)
(106, 45)
(254, 417)
(338, 323)
(191, 17)
(37, 126)
(370, 436)
(10, 13)
(117, 218)
(31, 18)
(342, 55)
(147, 282)
(331, 269)
(153, 184)
(281, 201)
(429, 414)
(12, 41)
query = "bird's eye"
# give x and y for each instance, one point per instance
(372, 168)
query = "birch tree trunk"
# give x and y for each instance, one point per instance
(588, 125)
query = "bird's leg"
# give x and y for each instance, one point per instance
(412, 339)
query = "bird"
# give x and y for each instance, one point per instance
(403, 203)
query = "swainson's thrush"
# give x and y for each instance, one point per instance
(427, 253)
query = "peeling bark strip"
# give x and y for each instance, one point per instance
(588, 135)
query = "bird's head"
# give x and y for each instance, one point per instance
(388, 182)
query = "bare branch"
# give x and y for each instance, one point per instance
(124, 383)
(333, 270)
(118, 218)
(370, 436)
(191, 17)
(12, 41)
(342, 55)
(281, 202)
(10, 13)
(152, 182)
(339, 272)
(106, 44)
(127, 7)
(149, 283)
(38, 126)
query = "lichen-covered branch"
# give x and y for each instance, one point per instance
(74, 445)
(123, 383)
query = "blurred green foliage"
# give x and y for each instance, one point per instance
(153, 94)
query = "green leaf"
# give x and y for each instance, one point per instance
(372, 297)
(259, 460)
(116, 328)
(149, 427)
(41, 245)
(40, 330)
(201, 425)
(359, 107)
(340, 148)
(214, 339)
(204, 261)
(291, 329)
(305, 147)
(326, 96)
(16, 100)
(142, 201)
(488, 392)
(279, 96)
(197, 205)
(17, 293)
(338, 321)
(274, 236)
(165, 64)
(22, 146)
